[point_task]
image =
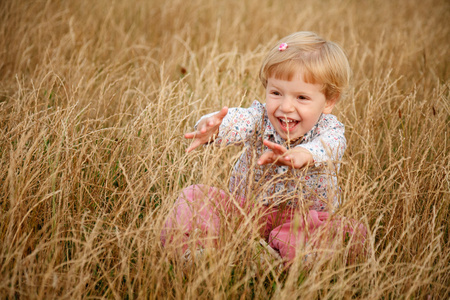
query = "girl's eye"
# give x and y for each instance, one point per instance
(302, 98)
(276, 93)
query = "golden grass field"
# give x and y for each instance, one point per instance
(95, 97)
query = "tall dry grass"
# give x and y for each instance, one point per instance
(96, 95)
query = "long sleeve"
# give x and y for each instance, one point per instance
(328, 142)
(239, 125)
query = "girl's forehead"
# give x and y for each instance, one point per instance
(291, 71)
(296, 85)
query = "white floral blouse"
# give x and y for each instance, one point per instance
(314, 187)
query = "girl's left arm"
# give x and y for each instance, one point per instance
(329, 144)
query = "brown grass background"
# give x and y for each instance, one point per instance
(95, 97)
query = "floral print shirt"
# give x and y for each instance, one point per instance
(314, 187)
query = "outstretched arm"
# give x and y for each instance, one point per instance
(296, 158)
(206, 130)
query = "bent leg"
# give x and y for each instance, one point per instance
(195, 211)
(318, 233)
(292, 235)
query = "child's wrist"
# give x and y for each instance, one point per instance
(305, 157)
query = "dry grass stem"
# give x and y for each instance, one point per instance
(95, 97)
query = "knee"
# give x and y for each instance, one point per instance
(193, 192)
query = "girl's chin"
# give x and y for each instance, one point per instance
(292, 139)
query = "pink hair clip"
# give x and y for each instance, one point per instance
(283, 46)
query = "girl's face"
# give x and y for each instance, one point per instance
(295, 106)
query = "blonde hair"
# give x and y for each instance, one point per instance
(321, 61)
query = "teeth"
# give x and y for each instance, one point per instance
(287, 121)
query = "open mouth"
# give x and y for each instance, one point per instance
(288, 124)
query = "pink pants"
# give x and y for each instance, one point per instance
(198, 209)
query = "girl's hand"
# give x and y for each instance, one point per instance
(295, 158)
(206, 129)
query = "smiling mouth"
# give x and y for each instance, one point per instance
(288, 124)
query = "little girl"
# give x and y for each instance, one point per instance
(293, 145)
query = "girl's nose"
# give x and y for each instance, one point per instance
(287, 105)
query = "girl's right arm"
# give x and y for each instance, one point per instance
(207, 129)
(228, 126)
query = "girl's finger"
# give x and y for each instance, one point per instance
(222, 113)
(189, 135)
(266, 158)
(275, 147)
(194, 145)
(270, 144)
(262, 161)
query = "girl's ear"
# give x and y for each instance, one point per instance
(329, 105)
